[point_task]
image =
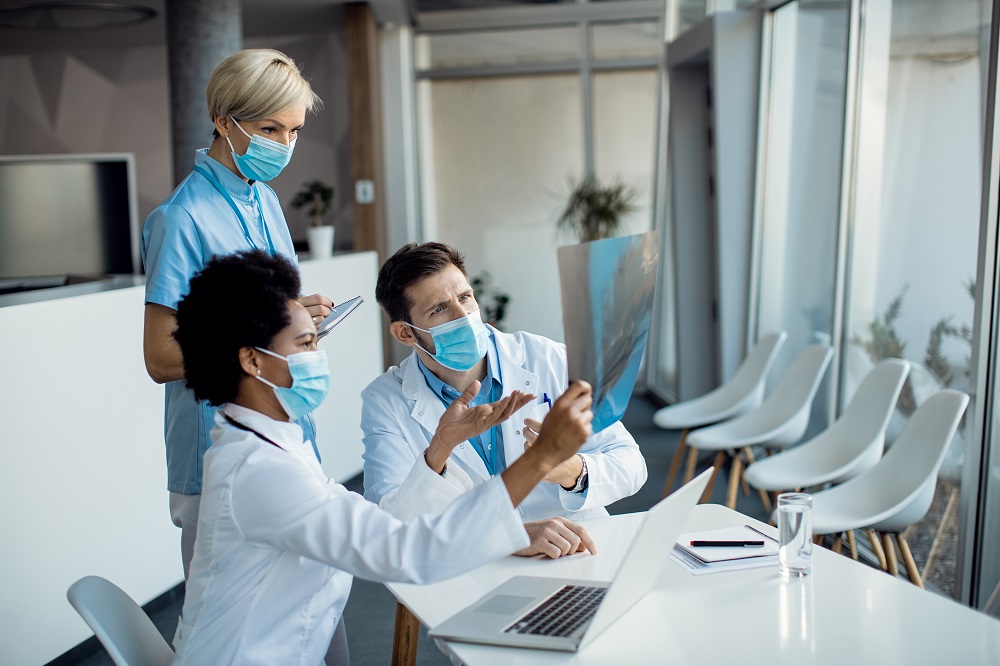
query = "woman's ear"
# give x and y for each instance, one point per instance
(249, 361)
(223, 125)
(402, 333)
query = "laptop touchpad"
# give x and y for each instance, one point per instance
(503, 603)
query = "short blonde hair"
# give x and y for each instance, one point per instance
(254, 84)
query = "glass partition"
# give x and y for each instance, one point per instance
(915, 233)
(803, 143)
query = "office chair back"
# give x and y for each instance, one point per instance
(121, 626)
(741, 394)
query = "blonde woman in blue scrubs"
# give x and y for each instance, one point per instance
(258, 101)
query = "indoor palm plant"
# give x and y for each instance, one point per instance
(317, 198)
(595, 210)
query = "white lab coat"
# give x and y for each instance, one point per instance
(278, 543)
(400, 414)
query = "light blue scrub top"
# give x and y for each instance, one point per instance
(195, 223)
(489, 445)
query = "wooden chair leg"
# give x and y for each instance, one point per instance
(838, 545)
(675, 462)
(945, 519)
(750, 460)
(890, 554)
(877, 549)
(720, 458)
(911, 566)
(405, 637)
(735, 472)
(765, 497)
(692, 463)
(852, 544)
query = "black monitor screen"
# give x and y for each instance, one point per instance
(62, 216)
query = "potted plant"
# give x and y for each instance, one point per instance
(317, 197)
(594, 210)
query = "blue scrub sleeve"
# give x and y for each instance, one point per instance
(172, 254)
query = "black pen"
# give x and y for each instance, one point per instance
(730, 544)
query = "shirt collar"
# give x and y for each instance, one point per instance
(448, 393)
(285, 434)
(233, 184)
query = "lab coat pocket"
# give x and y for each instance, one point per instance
(539, 411)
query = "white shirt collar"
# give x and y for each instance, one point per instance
(285, 434)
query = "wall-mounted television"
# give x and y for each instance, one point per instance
(68, 215)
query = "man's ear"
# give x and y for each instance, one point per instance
(250, 361)
(402, 333)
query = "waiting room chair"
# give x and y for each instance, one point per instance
(898, 490)
(853, 444)
(121, 626)
(779, 422)
(741, 394)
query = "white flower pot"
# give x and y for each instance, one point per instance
(320, 241)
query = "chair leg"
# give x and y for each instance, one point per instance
(720, 457)
(675, 462)
(735, 472)
(692, 463)
(877, 549)
(838, 545)
(945, 519)
(852, 544)
(743, 482)
(890, 554)
(405, 637)
(911, 566)
(765, 497)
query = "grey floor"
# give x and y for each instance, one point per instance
(370, 612)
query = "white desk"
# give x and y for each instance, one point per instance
(844, 611)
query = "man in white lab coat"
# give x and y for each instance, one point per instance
(425, 291)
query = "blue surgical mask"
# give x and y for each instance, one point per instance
(310, 382)
(264, 159)
(460, 343)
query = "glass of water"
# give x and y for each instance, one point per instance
(795, 534)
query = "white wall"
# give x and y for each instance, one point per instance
(83, 480)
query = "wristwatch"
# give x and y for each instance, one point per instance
(583, 480)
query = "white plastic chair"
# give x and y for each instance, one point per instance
(741, 394)
(121, 626)
(779, 422)
(898, 490)
(848, 447)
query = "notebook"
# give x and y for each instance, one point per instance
(564, 614)
(712, 559)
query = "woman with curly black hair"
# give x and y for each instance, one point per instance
(278, 542)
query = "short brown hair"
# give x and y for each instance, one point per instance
(409, 265)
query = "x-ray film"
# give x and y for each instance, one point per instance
(607, 301)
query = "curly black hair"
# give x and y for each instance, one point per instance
(237, 300)
(409, 265)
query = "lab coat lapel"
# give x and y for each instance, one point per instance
(427, 410)
(515, 378)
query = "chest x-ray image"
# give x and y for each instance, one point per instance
(607, 300)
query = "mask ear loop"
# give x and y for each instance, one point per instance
(269, 353)
(417, 344)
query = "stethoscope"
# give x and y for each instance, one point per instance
(236, 424)
(239, 215)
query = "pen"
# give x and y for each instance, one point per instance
(731, 544)
(547, 400)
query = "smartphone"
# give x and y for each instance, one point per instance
(337, 315)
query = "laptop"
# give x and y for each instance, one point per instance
(565, 614)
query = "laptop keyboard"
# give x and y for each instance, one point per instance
(562, 613)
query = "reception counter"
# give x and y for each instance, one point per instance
(83, 478)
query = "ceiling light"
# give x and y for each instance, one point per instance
(73, 16)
